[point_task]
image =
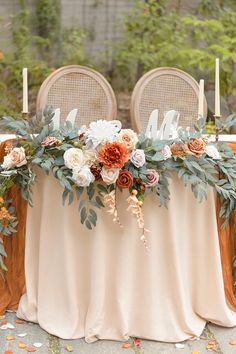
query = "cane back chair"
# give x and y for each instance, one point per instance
(75, 86)
(165, 89)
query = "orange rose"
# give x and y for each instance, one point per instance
(113, 155)
(197, 146)
(178, 149)
(125, 179)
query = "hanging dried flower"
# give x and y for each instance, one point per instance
(110, 202)
(135, 206)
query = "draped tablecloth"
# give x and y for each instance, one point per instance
(104, 284)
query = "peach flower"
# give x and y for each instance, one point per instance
(15, 158)
(178, 149)
(197, 146)
(129, 138)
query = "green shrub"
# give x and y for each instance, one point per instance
(37, 52)
(159, 35)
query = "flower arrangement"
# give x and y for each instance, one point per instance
(8, 222)
(96, 161)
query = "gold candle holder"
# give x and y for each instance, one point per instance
(25, 115)
(217, 129)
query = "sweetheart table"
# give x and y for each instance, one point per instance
(104, 284)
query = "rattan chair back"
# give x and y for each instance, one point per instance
(165, 89)
(78, 87)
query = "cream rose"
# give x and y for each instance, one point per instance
(73, 158)
(90, 157)
(138, 158)
(109, 175)
(83, 176)
(15, 158)
(166, 151)
(129, 138)
(212, 152)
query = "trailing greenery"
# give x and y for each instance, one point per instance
(196, 161)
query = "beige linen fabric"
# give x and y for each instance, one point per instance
(103, 284)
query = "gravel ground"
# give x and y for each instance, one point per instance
(214, 339)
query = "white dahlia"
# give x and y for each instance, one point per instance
(101, 132)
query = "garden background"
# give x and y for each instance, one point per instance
(120, 38)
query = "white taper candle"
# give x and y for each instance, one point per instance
(201, 99)
(25, 90)
(217, 88)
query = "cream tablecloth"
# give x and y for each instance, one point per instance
(103, 284)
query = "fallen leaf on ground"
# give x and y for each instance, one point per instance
(2, 324)
(126, 345)
(38, 345)
(7, 325)
(22, 345)
(10, 338)
(195, 351)
(30, 349)
(212, 344)
(232, 342)
(179, 346)
(22, 335)
(8, 352)
(137, 342)
(18, 321)
(69, 348)
(10, 326)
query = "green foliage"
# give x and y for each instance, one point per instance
(73, 45)
(158, 35)
(48, 18)
(40, 49)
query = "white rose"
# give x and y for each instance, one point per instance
(83, 176)
(128, 137)
(7, 162)
(138, 158)
(90, 157)
(110, 175)
(74, 158)
(212, 152)
(166, 151)
(15, 158)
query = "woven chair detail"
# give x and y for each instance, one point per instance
(165, 89)
(78, 87)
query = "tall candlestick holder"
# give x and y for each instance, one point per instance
(217, 130)
(25, 115)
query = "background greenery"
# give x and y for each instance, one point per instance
(156, 34)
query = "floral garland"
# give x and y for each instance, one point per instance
(95, 161)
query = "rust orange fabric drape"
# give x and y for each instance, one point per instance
(227, 240)
(12, 285)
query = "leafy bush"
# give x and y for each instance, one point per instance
(37, 52)
(160, 35)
